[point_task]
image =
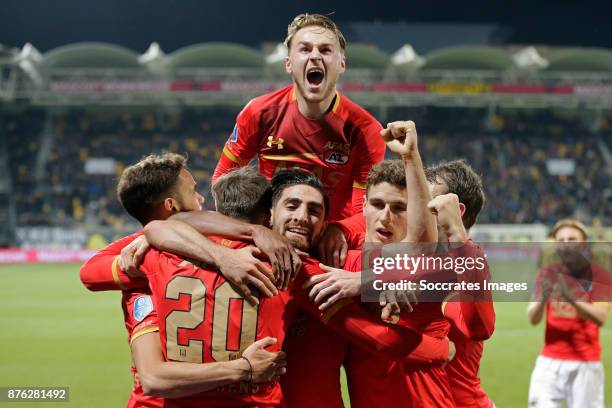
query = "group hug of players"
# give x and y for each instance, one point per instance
(257, 303)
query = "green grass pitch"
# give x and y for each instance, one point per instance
(56, 333)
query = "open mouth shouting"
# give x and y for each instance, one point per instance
(314, 78)
(383, 234)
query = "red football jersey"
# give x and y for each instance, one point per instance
(376, 382)
(427, 384)
(339, 148)
(568, 336)
(140, 318)
(463, 372)
(353, 229)
(472, 318)
(204, 318)
(312, 347)
(102, 272)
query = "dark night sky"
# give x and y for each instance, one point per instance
(176, 23)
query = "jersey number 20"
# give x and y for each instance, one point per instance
(192, 351)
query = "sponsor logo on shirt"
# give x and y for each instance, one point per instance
(143, 305)
(336, 157)
(345, 147)
(234, 136)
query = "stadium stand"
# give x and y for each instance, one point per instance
(510, 150)
(532, 120)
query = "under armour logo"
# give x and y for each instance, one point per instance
(278, 143)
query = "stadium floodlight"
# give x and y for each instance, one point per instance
(277, 55)
(154, 59)
(406, 55)
(29, 59)
(529, 58)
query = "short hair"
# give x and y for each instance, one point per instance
(144, 185)
(241, 193)
(569, 222)
(294, 177)
(307, 20)
(462, 180)
(389, 171)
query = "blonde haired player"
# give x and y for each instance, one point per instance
(575, 294)
(310, 124)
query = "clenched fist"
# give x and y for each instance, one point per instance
(401, 137)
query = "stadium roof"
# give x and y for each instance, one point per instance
(468, 57)
(91, 55)
(366, 56)
(579, 59)
(216, 55)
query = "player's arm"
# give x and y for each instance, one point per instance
(392, 342)
(242, 144)
(176, 379)
(370, 150)
(339, 237)
(353, 229)
(401, 139)
(535, 312)
(173, 379)
(596, 312)
(103, 271)
(365, 330)
(471, 312)
(475, 320)
(285, 261)
(543, 289)
(239, 266)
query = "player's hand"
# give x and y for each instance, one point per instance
(333, 246)
(446, 208)
(242, 268)
(401, 137)
(546, 289)
(564, 289)
(132, 256)
(452, 350)
(394, 302)
(285, 260)
(266, 365)
(335, 284)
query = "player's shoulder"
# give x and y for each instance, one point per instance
(129, 297)
(267, 101)
(550, 269)
(311, 266)
(125, 241)
(352, 112)
(229, 243)
(156, 260)
(353, 260)
(601, 272)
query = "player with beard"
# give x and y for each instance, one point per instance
(309, 124)
(166, 185)
(299, 214)
(576, 295)
(385, 209)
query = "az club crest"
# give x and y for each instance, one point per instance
(335, 157)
